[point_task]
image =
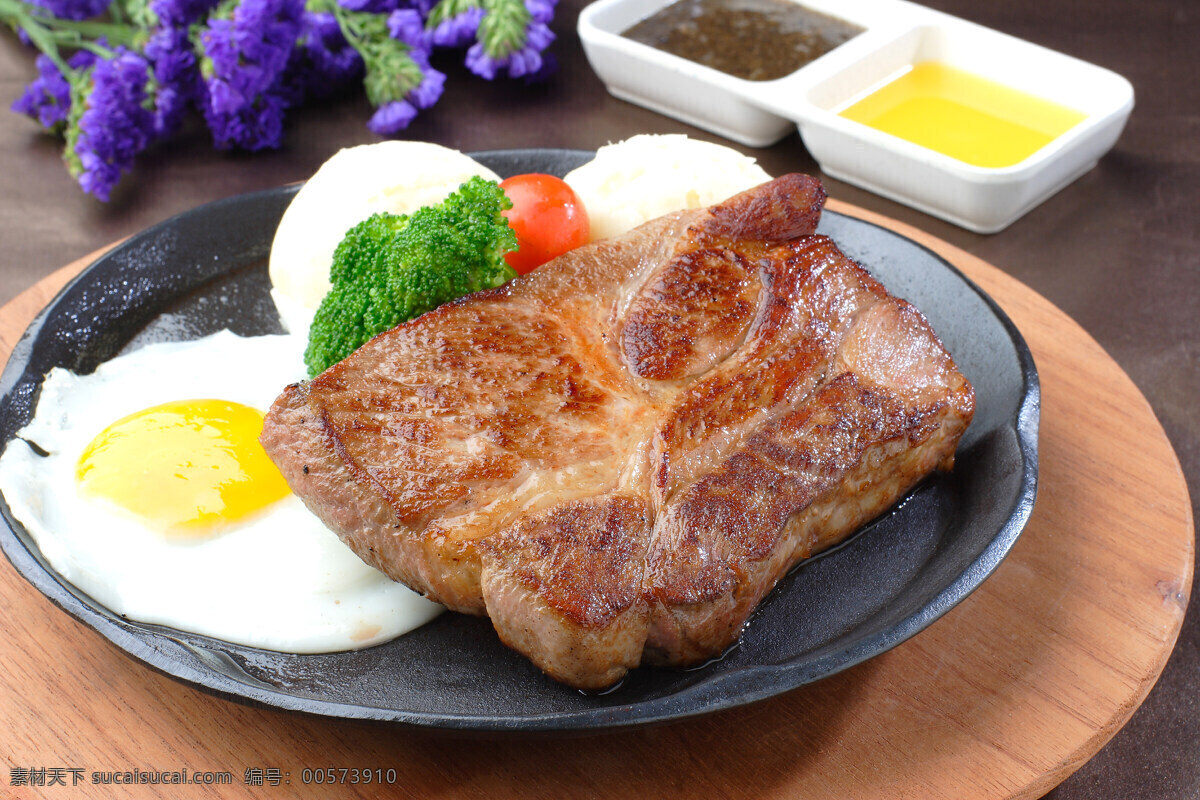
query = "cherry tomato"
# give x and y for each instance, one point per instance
(547, 216)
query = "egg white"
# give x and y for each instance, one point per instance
(280, 581)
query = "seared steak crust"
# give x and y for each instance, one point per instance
(618, 455)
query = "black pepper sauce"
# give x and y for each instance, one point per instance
(758, 40)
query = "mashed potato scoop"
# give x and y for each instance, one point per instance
(396, 176)
(646, 176)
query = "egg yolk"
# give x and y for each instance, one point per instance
(188, 468)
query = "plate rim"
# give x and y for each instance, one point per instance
(692, 700)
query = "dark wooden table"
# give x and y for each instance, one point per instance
(1118, 250)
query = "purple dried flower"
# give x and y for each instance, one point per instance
(399, 79)
(244, 60)
(481, 63)
(253, 127)
(247, 53)
(115, 125)
(526, 62)
(391, 118)
(429, 91)
(541, 10)
(333, 55)
(420, 84)
(512, 38)
(48, 98)
(406, 25)
(458, 30)
(323, 62)
(181, 12)
(243, 63)
(370, 6)
(176, 76)
(73, 9)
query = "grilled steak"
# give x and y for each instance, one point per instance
(618, 455)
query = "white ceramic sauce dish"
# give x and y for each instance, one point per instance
(897, 35)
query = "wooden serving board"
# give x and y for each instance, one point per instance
(1002, 698)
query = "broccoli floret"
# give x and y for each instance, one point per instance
(391, 268)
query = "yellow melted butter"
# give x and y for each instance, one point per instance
(188, 468)
(963, 116)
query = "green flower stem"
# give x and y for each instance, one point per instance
(390, 71)
(117, 33)
(15, 14)
(49, 34)
(446, 9)
(502, 30)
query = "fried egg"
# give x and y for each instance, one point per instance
(145, 486)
